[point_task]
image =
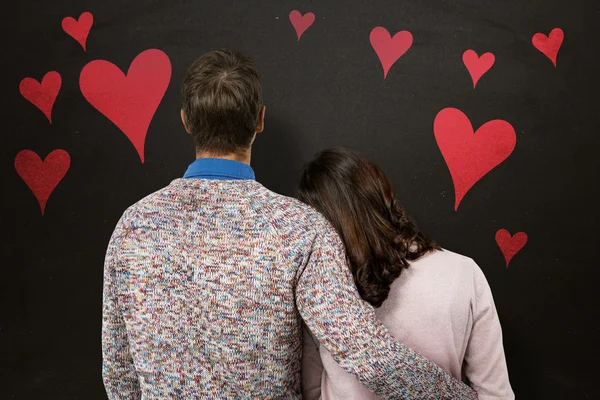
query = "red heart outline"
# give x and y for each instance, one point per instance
(80, 29)
(301, 22)
(42, 95)
(42, 177)
(477, 66)
(471, 155)
(131, 100)
(389, 49)
(549, 45)
(510, 245)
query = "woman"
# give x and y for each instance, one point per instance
(432, 300)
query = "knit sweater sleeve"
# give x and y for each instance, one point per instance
(118, 372)
(347, 327)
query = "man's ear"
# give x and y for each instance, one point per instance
(260, 125)
(185, 125)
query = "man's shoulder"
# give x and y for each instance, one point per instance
(297, 224)
(288, 211)
(145, 207)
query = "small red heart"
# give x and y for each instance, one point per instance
(79, 29)
(510, 245)
(301, 22)
(42, 176)
(389, 49)
(42, 95)
(131, 100)
(549, 45)
(471, 155)
(477, 66)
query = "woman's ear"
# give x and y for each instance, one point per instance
(185, 125)
(260, 125)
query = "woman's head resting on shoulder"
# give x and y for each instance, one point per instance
(360, 202)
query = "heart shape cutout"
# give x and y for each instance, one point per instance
(131, 100)
(42, 95)
(79, 29)
(42, 177)
(301, 22)
(389, 49)
(471, 155)
(510, 245)
(549, 45)
(477, 66)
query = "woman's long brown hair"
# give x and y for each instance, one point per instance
(360, 202)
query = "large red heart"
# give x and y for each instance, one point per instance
(42, 176)
(549, 45)
(79, 29)
(301, 22)
(42, 95)
(389, 49)
(131, 100)
(469, 155)
(477, 66)
(510, 245)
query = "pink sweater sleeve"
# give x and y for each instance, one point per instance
(485, 364)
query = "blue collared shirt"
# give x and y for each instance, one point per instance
(220, 169)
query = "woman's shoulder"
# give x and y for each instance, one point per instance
(448, 266)
(447, 259)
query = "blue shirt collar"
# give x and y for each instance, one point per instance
(220, 169)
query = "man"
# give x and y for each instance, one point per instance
(206, 280)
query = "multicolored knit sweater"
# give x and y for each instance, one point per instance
(206, 283)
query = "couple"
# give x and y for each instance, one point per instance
(217, 288)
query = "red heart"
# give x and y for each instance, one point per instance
(469, 155)
(510, 245)
(79, 29)
(42, 177)
(477, 66)
(301, 23)
(549, 45)
(389, 49)
(131, 100)
(42, 95)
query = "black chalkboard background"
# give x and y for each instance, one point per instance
(325, 90)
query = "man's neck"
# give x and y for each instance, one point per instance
(243, 157)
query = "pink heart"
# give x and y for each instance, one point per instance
(389, 49)
(477, 66)
(301, 22)
(79, 29)
(131, 100)
(42, 95)
(549, 45)
(471, 155)
(510, 245)
(42, 177)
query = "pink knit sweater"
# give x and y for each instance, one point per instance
(441, 307)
